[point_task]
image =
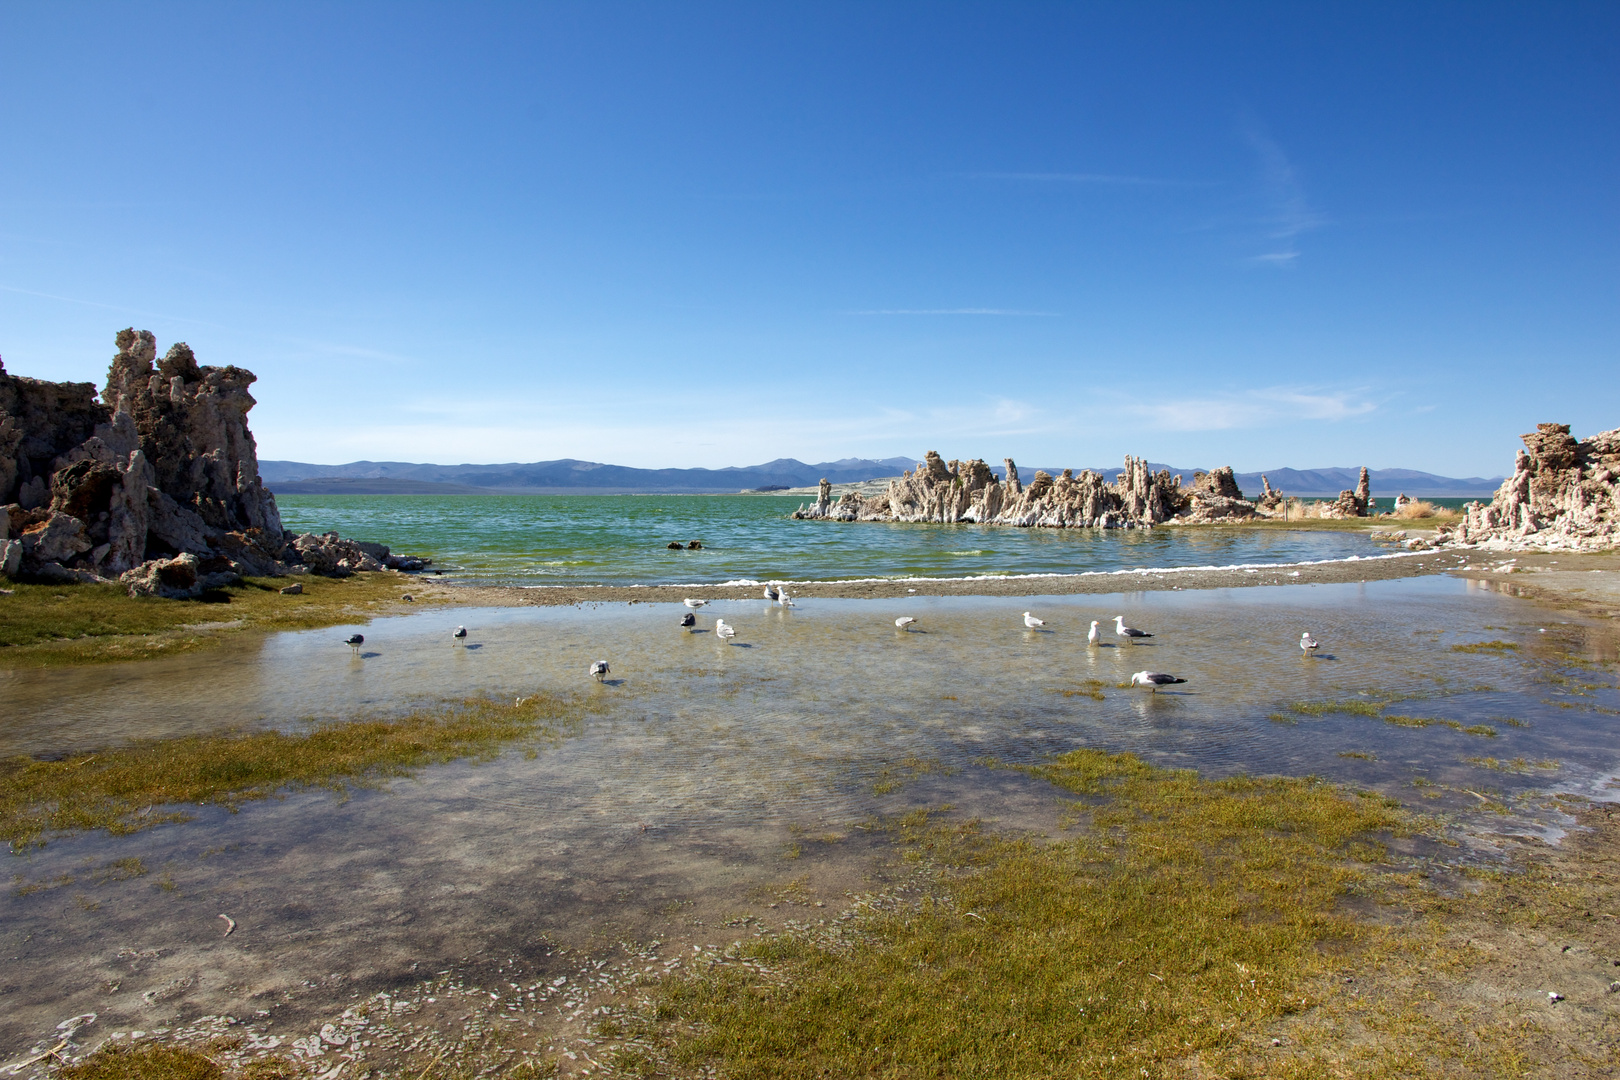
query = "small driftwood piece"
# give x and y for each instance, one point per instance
(55, 1052)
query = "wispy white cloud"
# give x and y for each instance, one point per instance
(1288, 213)
(1008, 411)
(106, 307)
(330, 348)
(1261, 407)
(960, 311)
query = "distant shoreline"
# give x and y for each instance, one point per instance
(869, 487)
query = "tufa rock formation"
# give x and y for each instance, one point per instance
(1351, 504)
(1563, 495)
(156, 483)
(1215, 498)
(1271, 501)
(968, 491)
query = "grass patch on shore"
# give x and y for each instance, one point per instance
(1190, 916)
(143, 1061)
(1305, 523)
(50, 625)
(136, 787)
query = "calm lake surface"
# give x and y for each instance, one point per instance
(622, 540)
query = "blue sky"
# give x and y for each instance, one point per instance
(714, 234)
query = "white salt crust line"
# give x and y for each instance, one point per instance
(739, 582)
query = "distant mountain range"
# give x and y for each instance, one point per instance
(1316, 482)
(1385, 482)
(569, 476)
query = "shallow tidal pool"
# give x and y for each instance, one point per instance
(714, 770)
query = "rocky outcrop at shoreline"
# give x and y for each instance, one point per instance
(154, 482)
(1564, 495)
(969, 491)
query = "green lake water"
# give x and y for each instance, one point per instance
(623, 540)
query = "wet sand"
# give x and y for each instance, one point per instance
(1589, 583)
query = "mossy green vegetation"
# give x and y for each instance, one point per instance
(1373, 708)
(1484, 731)
(1400, 720)
(1324, 708)
(1486, 647)
(1190, 915)
(892, 778)
(47, 625)
(135, 787)
(1091, 688)
(1517, 765)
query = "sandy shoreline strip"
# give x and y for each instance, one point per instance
(1584, 580)
(1371, 568)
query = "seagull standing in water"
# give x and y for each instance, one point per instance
(460, 633)
(782, 597)
(600, 670)
(904, 623)
(723, 631)
(1129, 633)
(1032, 622)
(1154, 679)
(771, 593)
(689, 619)
(695, 604)
(1093, 637)
(354, 641)
(1307, 644)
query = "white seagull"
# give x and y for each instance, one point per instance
(695, 603)
(904, 623)
(771, 593)
(1154, 680)
(459, 633)
(1308, 644)
(1093, 636)
(782, 597)
(600, 670)
(723, 631)
(1129, 633)
(1032, 622)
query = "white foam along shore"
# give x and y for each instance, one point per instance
(736, 583)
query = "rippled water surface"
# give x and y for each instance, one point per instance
(623, 540)
(711, 765)
(810, 702)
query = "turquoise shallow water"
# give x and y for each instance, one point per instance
(622, 540)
